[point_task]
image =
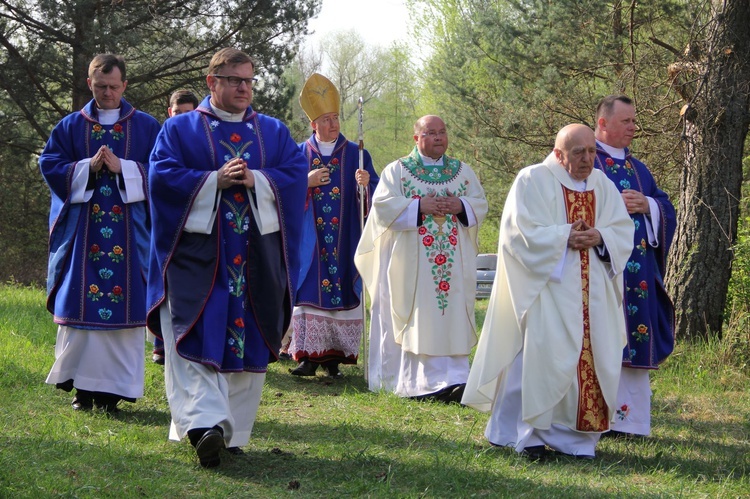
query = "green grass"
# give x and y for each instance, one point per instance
(323, 438)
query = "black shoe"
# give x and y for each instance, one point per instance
(108, 403)
(620, 435)
(305, 368)
(534, 453)
(158, 359)
(332, 368)
(285, 356)
(235, 451)
(208, 447)
(82, 403)
(452, 395)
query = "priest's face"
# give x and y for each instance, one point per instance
(326, 127)
(107, 88)
(578, 152)
(230, 90)
(432, 137)
(618, 128)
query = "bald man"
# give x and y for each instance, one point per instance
(548, 360)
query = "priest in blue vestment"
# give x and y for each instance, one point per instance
(328, 316)
(95, 163)
(227, 189)
(648, 309)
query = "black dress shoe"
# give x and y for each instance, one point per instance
(235, 451)
(332, 368)
(208, 447)
(305, 368)
(534, 452)
(285, 356)
(82, 404)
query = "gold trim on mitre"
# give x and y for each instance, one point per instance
(318, 97)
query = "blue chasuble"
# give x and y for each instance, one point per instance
(329, 279)
(231, 291)
(98, 249)
(648, 309)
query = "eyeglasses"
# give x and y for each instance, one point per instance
(236, 81)
(432, 134)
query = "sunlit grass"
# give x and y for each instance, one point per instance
(322, 438)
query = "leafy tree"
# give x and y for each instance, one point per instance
(508, 73)
(48, 44)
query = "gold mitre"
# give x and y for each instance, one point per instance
(318, 97)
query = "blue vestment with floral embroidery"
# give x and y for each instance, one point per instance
(98, 250)
(648, 309)
(230, 291)
(329, 279)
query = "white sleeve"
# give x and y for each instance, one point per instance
(407, 220)
(133, 180)
(203, 212)
(652, 222)
(265, 211)
(78, 192)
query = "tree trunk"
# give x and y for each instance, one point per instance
(716, 124)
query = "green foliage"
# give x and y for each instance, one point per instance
(323, 438)
(167, 45)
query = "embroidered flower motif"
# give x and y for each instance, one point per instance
(609, 161)
(320, 224)
(324, 254)
(453, 240)
(332, 269)
(316, 162)
(237, 260)
(335, 223)
(239, 322)
(641, 333)
(105, 273)
(106, 232)
(422, 230)
(444, 286)
(117, 132)
(116, 295)
(251, 127)
(335, 161)
(335, 193)
(643, 247)
(440, 259)
(94, 293)
(96, 213)
(428, 240)
(633, 267)
(623, 412)
(105, 313)
(317, 194)
(625, 183)
(327, 208)
(326, 285)
(116, 254)
(328, 239)
(642, 290)
(637, 223)
(105, 190)
(239, 197)
(97, 131)
(632, 309)
(214, 125)
(236, 273)
(116, 214)
(235, 137)
(95, 253)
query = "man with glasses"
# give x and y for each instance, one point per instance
(95, 163)
(417, 257)
(227, 191)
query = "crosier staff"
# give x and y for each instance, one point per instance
(360, 106)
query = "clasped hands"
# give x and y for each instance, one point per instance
(105, 156)
(322, 176)
(235, 172)
(582, 236)
(440, 206)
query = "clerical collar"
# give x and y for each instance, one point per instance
(108, 116)
(226, 115)
(426, 160)
(615, 152)
(326, 148)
